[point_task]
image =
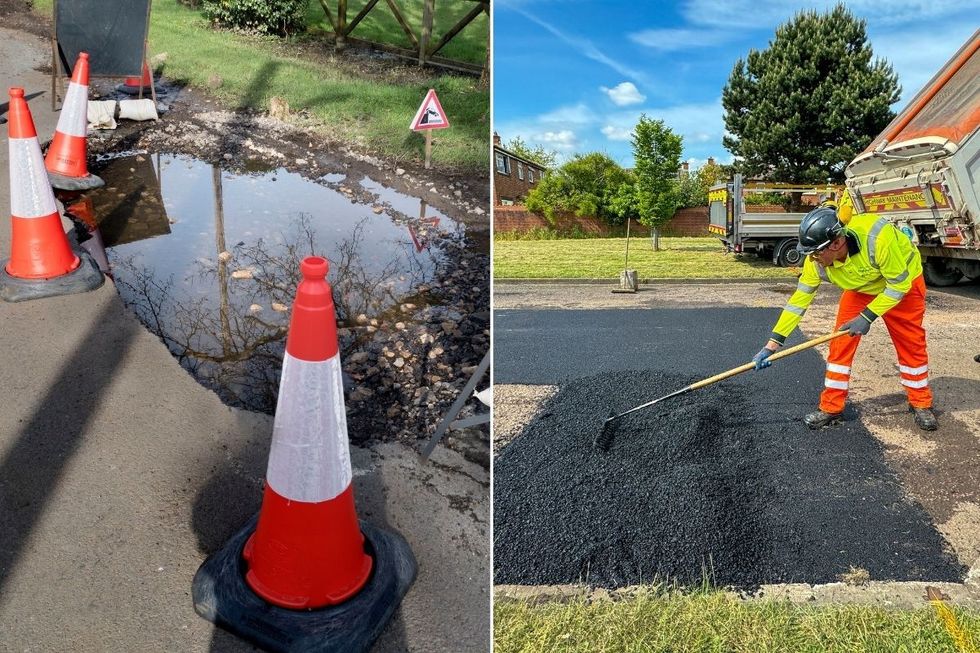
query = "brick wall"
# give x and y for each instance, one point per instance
(686, 222)
(517, 218)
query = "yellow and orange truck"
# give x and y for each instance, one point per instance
(923, 171)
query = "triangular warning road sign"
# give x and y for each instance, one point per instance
(430, 115)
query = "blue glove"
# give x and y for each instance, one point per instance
(761, 359)
(859, 326)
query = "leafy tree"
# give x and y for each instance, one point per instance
(585, 186)
(695, 186)
(800, 110)
(538, 154)
(657, 153)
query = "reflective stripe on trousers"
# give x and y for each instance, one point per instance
(904, 324)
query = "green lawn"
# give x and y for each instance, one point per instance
(371, 114)
(603, 258)
(713, 622)
(380, 26)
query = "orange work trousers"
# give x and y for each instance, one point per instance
(904, 324)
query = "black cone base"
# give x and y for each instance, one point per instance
(88, 182)
(222, 596)
(84, 278)
(135, 90)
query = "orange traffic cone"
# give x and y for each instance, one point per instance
(307, 551)
(133, 85)
(307, 575)
(42, 262)
(67, 168)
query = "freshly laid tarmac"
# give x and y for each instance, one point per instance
(119, 474)
(724, 482)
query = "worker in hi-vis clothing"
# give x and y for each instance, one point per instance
(880, 271)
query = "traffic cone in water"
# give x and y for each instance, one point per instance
(82, 209)
(306, 575)
(42, 262)
(67, 168)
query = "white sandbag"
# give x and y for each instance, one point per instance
(137, 110)
(101, 114)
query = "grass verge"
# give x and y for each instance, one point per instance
(715, 622)
(602, 258)
(366, 112)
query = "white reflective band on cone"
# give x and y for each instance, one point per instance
(30, 190)
(74, 112)
(310, 456)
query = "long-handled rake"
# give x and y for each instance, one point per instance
(606, 434)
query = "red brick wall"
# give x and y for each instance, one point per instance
(686, 222)
(517, 218)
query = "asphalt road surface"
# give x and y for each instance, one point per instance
(724, 482)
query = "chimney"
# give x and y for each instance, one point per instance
(711, 160)
(685, 166)
(496, 139)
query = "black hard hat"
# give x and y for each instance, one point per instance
(818, 229)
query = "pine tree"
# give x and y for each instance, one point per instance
(801, 110)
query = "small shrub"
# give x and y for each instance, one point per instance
(280, 17)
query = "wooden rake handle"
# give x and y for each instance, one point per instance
(775, 356)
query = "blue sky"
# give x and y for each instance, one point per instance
(574, 76)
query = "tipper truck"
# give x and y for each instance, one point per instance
(768, 230)
(923, 171)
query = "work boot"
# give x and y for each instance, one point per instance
(925, 419)
(819, 419)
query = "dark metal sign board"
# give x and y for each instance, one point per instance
(112, 32)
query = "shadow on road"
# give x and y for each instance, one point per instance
(46, 444)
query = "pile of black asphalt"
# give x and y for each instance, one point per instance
(712, 485)
(724, 483)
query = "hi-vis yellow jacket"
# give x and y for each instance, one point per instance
(881, 261)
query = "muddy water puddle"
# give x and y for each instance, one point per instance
(208, 259)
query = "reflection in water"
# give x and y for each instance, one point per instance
(223, 309)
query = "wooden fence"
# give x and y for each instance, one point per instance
(426, 45)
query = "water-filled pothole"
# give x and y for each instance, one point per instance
(208, 259)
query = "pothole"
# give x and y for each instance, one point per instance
(208, 259)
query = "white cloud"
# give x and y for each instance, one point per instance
(562, 140)
(614, 133)
(667, 40)
(624, 94)
(576, 114)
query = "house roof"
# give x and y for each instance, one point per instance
(498, 148)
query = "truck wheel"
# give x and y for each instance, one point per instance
(938, 274)
(786, 254)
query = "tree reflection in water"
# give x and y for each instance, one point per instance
(235, 345)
